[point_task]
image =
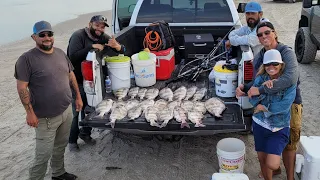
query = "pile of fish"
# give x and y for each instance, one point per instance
(180, 105)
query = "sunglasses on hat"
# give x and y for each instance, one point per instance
(43, 34)
(267, 32)
(272, 64)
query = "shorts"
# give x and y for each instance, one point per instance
(295, 127)
(270, 142)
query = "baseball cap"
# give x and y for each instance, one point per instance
(265, 23)
(271, 56)
(253, 7)
(99, 18)
(41, 26)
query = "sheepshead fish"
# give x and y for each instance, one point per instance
(215, 106)
(133, 92)
(180, 115)
(104, 107)
(152, 93)
(190, 92)
(196, 118)
(152, 116)
(199, 106)
(171, 105)
(160, 104)
(142, 93)
(132, 103)
(146, 103)
(187, 105)
(119, 103)
(166, 94)
(121, 93)
(134, 112)
(180, 93)
(165, 115)
(200, 94)
(117, 114)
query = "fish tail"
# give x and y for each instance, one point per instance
(153, 123)
(184, 124)
(164, 124)
(199, 124)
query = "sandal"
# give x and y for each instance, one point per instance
(65, 176)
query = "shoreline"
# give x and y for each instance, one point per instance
(65, 27)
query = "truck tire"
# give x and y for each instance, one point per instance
(305, 50)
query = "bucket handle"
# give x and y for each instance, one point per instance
(117, 76)
(158, 62)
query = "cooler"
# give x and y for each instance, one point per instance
(165, 63)
(308, 158)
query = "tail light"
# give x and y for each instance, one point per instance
(87, 73)
(248, 71)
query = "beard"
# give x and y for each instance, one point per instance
(46, 47)
(253, 24)
(93, 33)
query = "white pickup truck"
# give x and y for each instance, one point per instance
(215, 17)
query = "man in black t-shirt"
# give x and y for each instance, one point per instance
(80, 43)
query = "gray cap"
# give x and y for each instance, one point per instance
(41, 26)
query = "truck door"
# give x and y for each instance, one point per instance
(315, 21)
(121, 14)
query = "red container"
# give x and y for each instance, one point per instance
(165, 63)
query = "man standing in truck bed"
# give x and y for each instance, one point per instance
(80, 43)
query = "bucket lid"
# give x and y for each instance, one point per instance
(115, 59)
(218, 68)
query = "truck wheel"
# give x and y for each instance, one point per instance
(304, 48)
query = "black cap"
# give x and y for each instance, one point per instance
(265, 23)
(99, 18)
(41, 26)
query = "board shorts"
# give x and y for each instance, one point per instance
(270, 142)
(295, 127)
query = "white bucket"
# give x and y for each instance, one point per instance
(226, 176)
(231, 155)
(226, 83)
(119, 73)
(144, 70)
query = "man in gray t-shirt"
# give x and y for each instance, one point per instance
(44, 79)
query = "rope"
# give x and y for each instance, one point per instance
(152, 40)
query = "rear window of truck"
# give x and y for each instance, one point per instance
(184, 11)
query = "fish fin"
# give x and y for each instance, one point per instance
(164, 124)
(184, 124)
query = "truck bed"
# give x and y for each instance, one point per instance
(232, 120)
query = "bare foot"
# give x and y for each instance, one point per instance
(276, 172)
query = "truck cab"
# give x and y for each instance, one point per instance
(214, 17)
(307, 41)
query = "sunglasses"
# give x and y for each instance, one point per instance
(44, 34)
(272, 64)
(267, 32)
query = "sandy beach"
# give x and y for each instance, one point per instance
(192, 158)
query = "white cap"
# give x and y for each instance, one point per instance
(272, 55)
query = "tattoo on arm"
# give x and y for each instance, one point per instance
(25, 99)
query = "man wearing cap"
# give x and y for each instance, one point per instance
(269, 39)
(44, 80)
(80, 43)
(246, 35)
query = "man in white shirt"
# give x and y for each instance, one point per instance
(247, 35)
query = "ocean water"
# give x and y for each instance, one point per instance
(17, 17)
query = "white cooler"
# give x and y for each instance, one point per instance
(308, 158)
(229, 176)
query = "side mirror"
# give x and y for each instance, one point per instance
(241, 7)
(131, 8)
(307, 3)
